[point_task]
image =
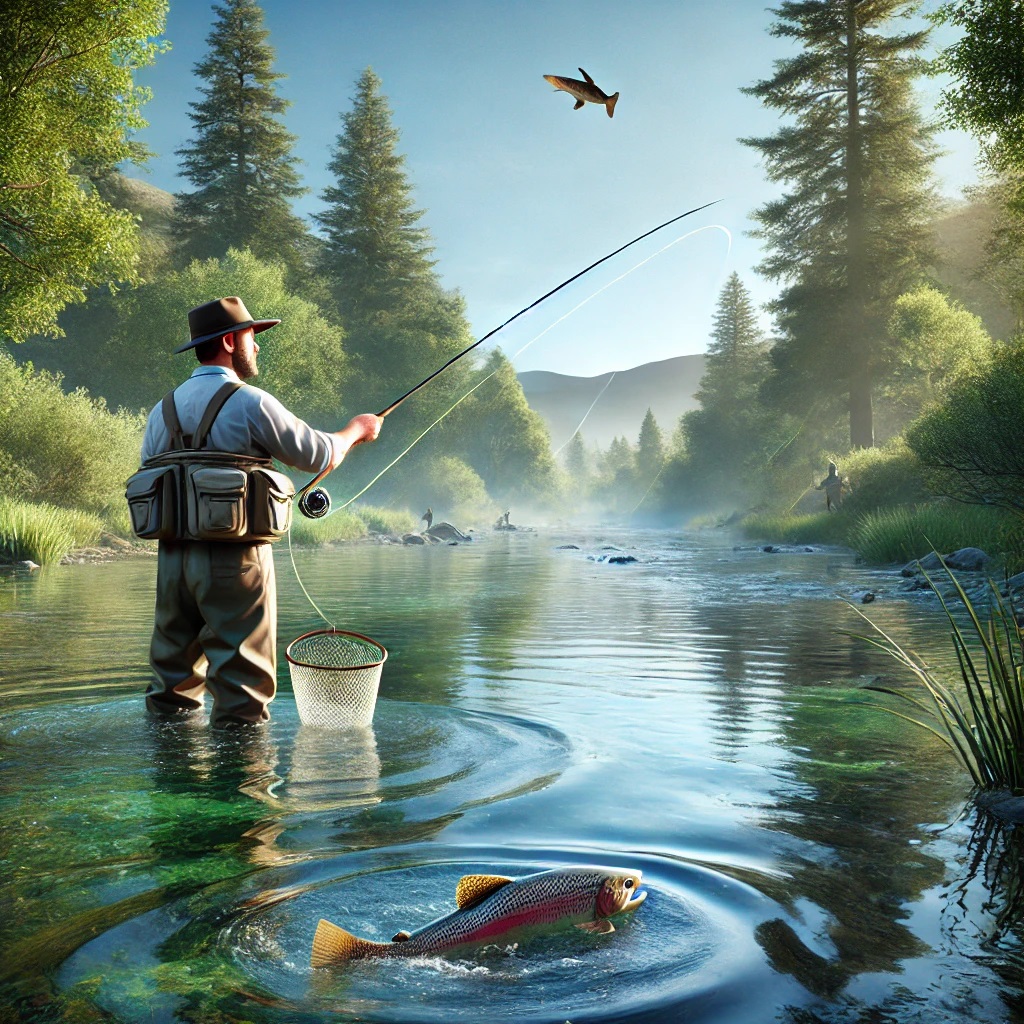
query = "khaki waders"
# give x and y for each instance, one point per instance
(215, 630)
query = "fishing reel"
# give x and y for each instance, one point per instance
(315, 503)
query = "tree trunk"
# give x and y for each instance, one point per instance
(857, 314)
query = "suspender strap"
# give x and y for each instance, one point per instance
(180, 440)
(172, 422)
(216, 404)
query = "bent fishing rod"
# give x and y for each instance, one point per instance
(315, 502)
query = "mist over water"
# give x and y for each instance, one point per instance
(695, 714)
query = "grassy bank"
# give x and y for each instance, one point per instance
(44, 533)
(902, 533)
(351, 523)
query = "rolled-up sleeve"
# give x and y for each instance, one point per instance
(287, 438)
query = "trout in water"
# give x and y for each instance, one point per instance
(583, 92)
(491, 906)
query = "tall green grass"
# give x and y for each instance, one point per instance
(786, 528)
(983, 721)
(44, 533)
(350, 523)
(905, 533)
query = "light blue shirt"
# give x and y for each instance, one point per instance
(251, 422)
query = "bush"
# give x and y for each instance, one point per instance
(784, 528)
(972, 446)
(337, 526)
(386, 520)
(881, 477)
(66, 450)
(43, 533)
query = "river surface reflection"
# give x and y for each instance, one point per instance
(699, 714)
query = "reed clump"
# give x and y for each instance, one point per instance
(352, 523)
(43, 533)
(981, 721)
(789, 528)
(904, 533)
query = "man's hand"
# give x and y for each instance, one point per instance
(358, 430)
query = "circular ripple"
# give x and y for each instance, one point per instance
(689, 952)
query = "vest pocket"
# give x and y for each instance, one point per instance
(271, 503)
(216, 498)
(153, 503)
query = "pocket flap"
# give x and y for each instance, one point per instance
(219, 480)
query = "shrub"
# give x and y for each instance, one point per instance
(337, 526)
(43, 533)
(880, 477)
(67, 450)
(784, 528)
(386, 520)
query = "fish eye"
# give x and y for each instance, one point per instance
(629, 883)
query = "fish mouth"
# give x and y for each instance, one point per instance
(635, 900)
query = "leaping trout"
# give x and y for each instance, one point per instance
(583, 92)
(493, 906)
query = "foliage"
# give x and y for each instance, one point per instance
(301, 361)
(984, 723)
(454, 491)
(341, 525)
(66, 450)
(375, 249)
(785, 528)
(67, 104)
(852, 232)
(385, 520)
(972, 446)
(880, 477)
(987, 66)
(43, 533)
(932, 341)
(900, 534)
(240, 159)
(650, 449)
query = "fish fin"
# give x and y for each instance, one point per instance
(474, 888)
(609, 104)
(402, 937)
(587, 77)
(334, 945)
(603, 927)
(577, 105)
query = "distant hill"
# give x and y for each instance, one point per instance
(665, 387)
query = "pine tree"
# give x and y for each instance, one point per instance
(575, 459)
(375, 248)
(650, 452)
(851, 234)
(240, 160)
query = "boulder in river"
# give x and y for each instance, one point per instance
(445, 531)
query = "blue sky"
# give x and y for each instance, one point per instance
(519, 190)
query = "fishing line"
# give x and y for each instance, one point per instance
(587, 413)
(648, 491)
(536, 338)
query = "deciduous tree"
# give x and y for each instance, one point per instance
(68, 103)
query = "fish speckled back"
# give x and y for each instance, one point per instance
(538, 899)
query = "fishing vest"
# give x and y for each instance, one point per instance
(191, 493)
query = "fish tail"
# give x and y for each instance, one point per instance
(334, 945)
(609, 104)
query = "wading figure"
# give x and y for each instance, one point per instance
(832, 485)
(215, 626)
(428, 518)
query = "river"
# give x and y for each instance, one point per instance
(699, 714)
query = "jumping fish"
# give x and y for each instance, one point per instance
(490, 906)
(583, 92)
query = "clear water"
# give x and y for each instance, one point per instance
(697, 714)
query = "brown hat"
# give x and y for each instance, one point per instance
(220, 317)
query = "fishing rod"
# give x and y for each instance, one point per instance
(315, 502)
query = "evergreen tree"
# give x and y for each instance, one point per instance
(375, 248)
(852, 233)
(240, 160)
(575, 458)
(68, 104)
(650, 452)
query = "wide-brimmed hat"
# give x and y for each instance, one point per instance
(222, 316)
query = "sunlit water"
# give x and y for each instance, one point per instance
(698, 714)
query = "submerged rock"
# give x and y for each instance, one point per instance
(621, 559)
(412, 538)
(567, 547)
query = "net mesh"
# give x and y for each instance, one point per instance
(335, 676)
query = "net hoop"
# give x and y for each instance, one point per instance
(336, 668)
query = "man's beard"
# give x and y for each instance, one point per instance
(244, 364)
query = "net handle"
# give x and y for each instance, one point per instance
(335, 668)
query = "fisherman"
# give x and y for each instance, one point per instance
(216, 601)
(505, 517)
(428, 517)
(832, 485)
